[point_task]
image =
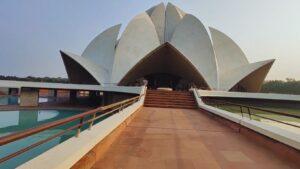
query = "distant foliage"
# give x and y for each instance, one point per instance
(289, 86)
(36, 79)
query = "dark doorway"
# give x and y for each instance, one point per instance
(162, 80)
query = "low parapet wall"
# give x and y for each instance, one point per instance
(281, 141)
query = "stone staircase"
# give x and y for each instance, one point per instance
(170, 99)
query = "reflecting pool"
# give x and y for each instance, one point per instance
(14, 121)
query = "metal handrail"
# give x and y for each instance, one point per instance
(251, 113)
(105, 110)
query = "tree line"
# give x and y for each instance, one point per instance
(36, 79)
(288, 86)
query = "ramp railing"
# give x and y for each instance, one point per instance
(86, 118)
(252, 111)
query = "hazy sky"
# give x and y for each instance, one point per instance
(33, 31)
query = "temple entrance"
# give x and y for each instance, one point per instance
(167, 81)
(162, 80)
(165, 67)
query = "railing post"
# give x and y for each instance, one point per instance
(120, 108)
(249, 112)
(92, 122)
(79, 128)
(241, 108)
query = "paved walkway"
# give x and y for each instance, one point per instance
(162, 138)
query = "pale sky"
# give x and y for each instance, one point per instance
(33, 31)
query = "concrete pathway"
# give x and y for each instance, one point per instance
(162, 138)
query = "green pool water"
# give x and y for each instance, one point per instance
(14, 121)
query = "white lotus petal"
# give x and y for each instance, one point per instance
(173, 17)
(138, 39)
(229, 55)
(101, 50)
(157, 16)
(181, 12)
(150, 10)
(257, 71)
(98, 73)
(192, 40)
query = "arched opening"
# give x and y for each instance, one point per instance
(165, 67)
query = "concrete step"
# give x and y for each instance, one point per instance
(166, 96)
(170, 99)
(164, 91)
(171, 106)
(181, 93)
(170, 102)
(171, 94)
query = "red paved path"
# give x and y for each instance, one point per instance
(161, 138)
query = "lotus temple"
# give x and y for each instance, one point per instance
(168, 48)
(167, 92)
